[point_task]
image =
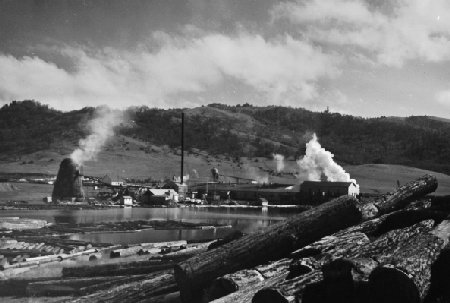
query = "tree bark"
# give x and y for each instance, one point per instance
(407, 193)
(136, 291)
(131, 268)
(275, 242)
(279, 240)
(406, 275)
(363, 261)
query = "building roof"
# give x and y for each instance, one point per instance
(127, 197)
(160, 191)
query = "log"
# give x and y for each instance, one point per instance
(246, 294)
(406, 275)
(64, 287)
(336, 245)
(166, 298)
(440, 284)
(155, 284)
(112, 282)
(125, 252)
(277, 241)
(129, 268)
(337, 285)
(362, 260)
(407, 193)
(232, 282)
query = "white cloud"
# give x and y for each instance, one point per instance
(443, 97)
(154, 77)
(413, 29)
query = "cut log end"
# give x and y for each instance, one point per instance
(298, 269)
(220, 288)
(269, 295)
(391, 285)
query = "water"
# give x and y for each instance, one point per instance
(245, 220)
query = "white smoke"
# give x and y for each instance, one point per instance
(255, 174)
(279, 161)
(318, 162)
(101, 128)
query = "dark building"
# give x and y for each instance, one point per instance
(320, 191)
(69, 182)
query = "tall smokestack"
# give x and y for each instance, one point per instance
(182, 147)
(69, 181)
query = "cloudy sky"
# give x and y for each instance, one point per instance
(366, 58)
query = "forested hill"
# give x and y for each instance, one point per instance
(419, 141)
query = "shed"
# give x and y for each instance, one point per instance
(126, 200)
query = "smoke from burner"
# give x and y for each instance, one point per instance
(319, 162)
(101, 129)
(215, 174)
(255, 174)
(279, 161)
(68, 182)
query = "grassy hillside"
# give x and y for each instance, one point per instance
(238, 140)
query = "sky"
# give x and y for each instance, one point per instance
(364, 58)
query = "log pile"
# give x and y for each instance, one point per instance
(391, 249)
(395, 238)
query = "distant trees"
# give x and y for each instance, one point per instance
(424, 142)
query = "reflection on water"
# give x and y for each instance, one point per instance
(246, 220)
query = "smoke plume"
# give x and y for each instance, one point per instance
(195, 173)
(101, 129)
(255, 174)
(279, 160)
(319, 162)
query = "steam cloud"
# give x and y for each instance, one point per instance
(255, 174)
(279, 160)
(317, 162)
(195, 173)
(102, 128)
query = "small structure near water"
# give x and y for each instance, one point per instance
(126, 201)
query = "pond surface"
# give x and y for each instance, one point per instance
(245, 220)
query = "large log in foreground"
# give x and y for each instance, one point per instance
(363, 261)
(274, 243)
(406, 276)
(406, 193)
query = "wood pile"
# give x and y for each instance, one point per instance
(24, 252)
(392, 249)
(388, 244)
